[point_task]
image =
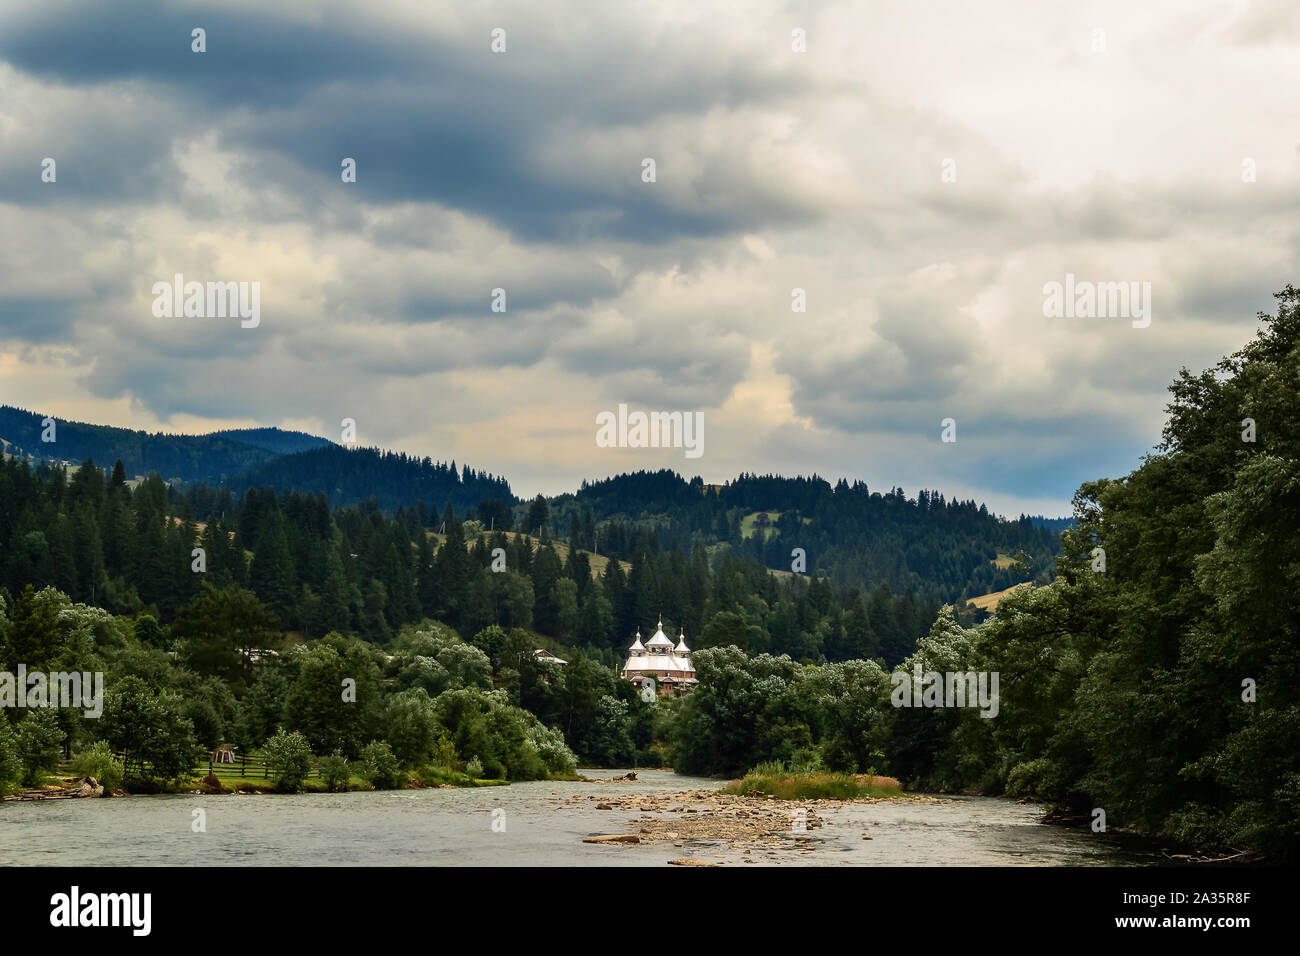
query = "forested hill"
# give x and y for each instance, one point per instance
(175, 457)
(255, 457)
(939, 547)
(394, 479)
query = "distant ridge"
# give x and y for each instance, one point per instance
(393, 479)
(275, 440)
(176, 457)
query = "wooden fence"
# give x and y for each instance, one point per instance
(244, 765)
(250, 766)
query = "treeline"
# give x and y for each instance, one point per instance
(392, 479)
(942, 549)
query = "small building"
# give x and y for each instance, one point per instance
(658, 660)
(546, 657)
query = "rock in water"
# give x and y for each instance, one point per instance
(90, 787)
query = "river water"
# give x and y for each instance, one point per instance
(454, 827)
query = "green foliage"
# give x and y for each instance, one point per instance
(149, 729)
(749, 710)
(1038, 779)
(315, 701)
(288, 758)
(32, 633)
(39, 743)
(410, 726)
(474, 768)
(219, 628)
(772, 777)
(99, 762)
(380, 768)
(11, 764)
(508, 741)
(334, 772)
(444, 753)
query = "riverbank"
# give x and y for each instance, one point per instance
(68, 788)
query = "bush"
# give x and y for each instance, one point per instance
(436, 776)
(769, 778)
(444, 753)
(379, 766)
(474, 768)
(288, 757)
(334, 772)
(1039, 779)
(98, 762)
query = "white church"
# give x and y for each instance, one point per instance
(658, 661)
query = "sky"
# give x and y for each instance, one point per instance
(920, 171)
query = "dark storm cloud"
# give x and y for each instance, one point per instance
(427, 117)
(253, 57)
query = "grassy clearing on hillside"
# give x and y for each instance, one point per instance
(787, 785)
(749, 523)
(989, 602)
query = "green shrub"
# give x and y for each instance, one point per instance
(379, 766)
(334, 772)
(1039, 779)
(435, 776)
(98, 761)
(444, 753)
(288, 757)
(767, 778)
(474, 768)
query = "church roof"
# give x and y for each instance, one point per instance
(660, 639)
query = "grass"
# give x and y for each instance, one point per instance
(773, 779)
(433, 776)
(749, 523)
(989, 602)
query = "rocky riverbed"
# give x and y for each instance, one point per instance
(703, 819)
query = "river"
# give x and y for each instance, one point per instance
(454, 827)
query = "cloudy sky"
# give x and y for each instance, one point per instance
(1114, 141)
